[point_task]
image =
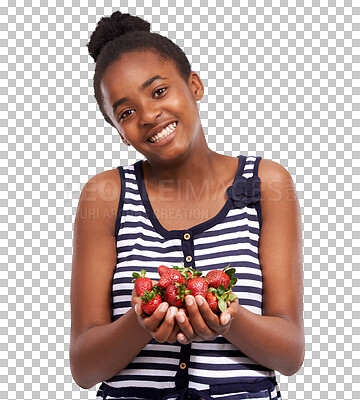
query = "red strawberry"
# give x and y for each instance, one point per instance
(220, 299)
(142, 284)
(175, 295)
(150, 306)
(170, 277)
(216, 278)
(213, 303)
(187, 272)
(163, 269)
(223, 277)
(190, 273)
(198, 286)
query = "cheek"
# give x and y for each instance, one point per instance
(184, 103)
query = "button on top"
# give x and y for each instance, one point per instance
(186, 236)
(188, 258)
(182, 365)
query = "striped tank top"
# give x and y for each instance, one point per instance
(209, 369)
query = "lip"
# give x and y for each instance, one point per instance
(159, 128)
(167, 139)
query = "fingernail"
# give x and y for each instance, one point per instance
(163, 307)
(181, 338)
(188, 301)
(136, 308)
(199, 300)
(226, 319)
(181, 318)
(173, 311)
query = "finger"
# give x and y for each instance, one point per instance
(173, 334)
(137, 307)
(185, 326)
(180, 337)
(197, 322)
(163, 332)
(184, 340)
(136, 303)
(228, 315)
(152, 323)
(211, 319)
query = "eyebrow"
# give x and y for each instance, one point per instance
(142, 87)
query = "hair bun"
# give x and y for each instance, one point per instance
(109, 28)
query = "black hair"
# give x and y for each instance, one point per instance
(121, 33)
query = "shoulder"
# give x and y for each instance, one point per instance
(275, 179)
(278, 194)
(103, 186)
(99, 200)
(270, 171)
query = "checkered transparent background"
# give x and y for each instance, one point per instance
(282, 82)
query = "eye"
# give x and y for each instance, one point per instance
(156, 91)
(160, 91)
(124, 114)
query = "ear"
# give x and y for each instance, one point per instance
(196, 86)
(122, 138)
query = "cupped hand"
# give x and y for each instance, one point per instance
(161, 324)
(201, 323)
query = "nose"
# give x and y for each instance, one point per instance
(149, 113)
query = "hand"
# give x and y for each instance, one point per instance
(161, 325)
(202, 324)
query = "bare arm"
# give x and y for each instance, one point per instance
(276, 338)
(100, 348)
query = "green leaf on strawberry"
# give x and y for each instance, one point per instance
(221, 290)
(136, 275)
(148, 295)
(222, 296)
(222, 305)
(158, 290)
(229, 272)
(187, 272)
(232, 282)
(232, 297)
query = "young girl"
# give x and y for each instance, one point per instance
(183, 203)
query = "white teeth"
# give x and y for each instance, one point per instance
(162, 134)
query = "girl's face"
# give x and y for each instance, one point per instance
(143, 93)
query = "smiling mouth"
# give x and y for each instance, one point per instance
(163, 133)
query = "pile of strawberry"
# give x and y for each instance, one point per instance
(177, 282)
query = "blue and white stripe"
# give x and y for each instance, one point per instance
(230, 237)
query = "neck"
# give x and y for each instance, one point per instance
(194, 168)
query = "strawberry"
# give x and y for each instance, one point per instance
(163, 269)
(213, 303)
(142, 284)
(151, 305)
(151, 300)
(170, 277)
(187, 272)
(217, 278)
(198, 286)
(223, 277)
(219, 299)
(175, 295)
